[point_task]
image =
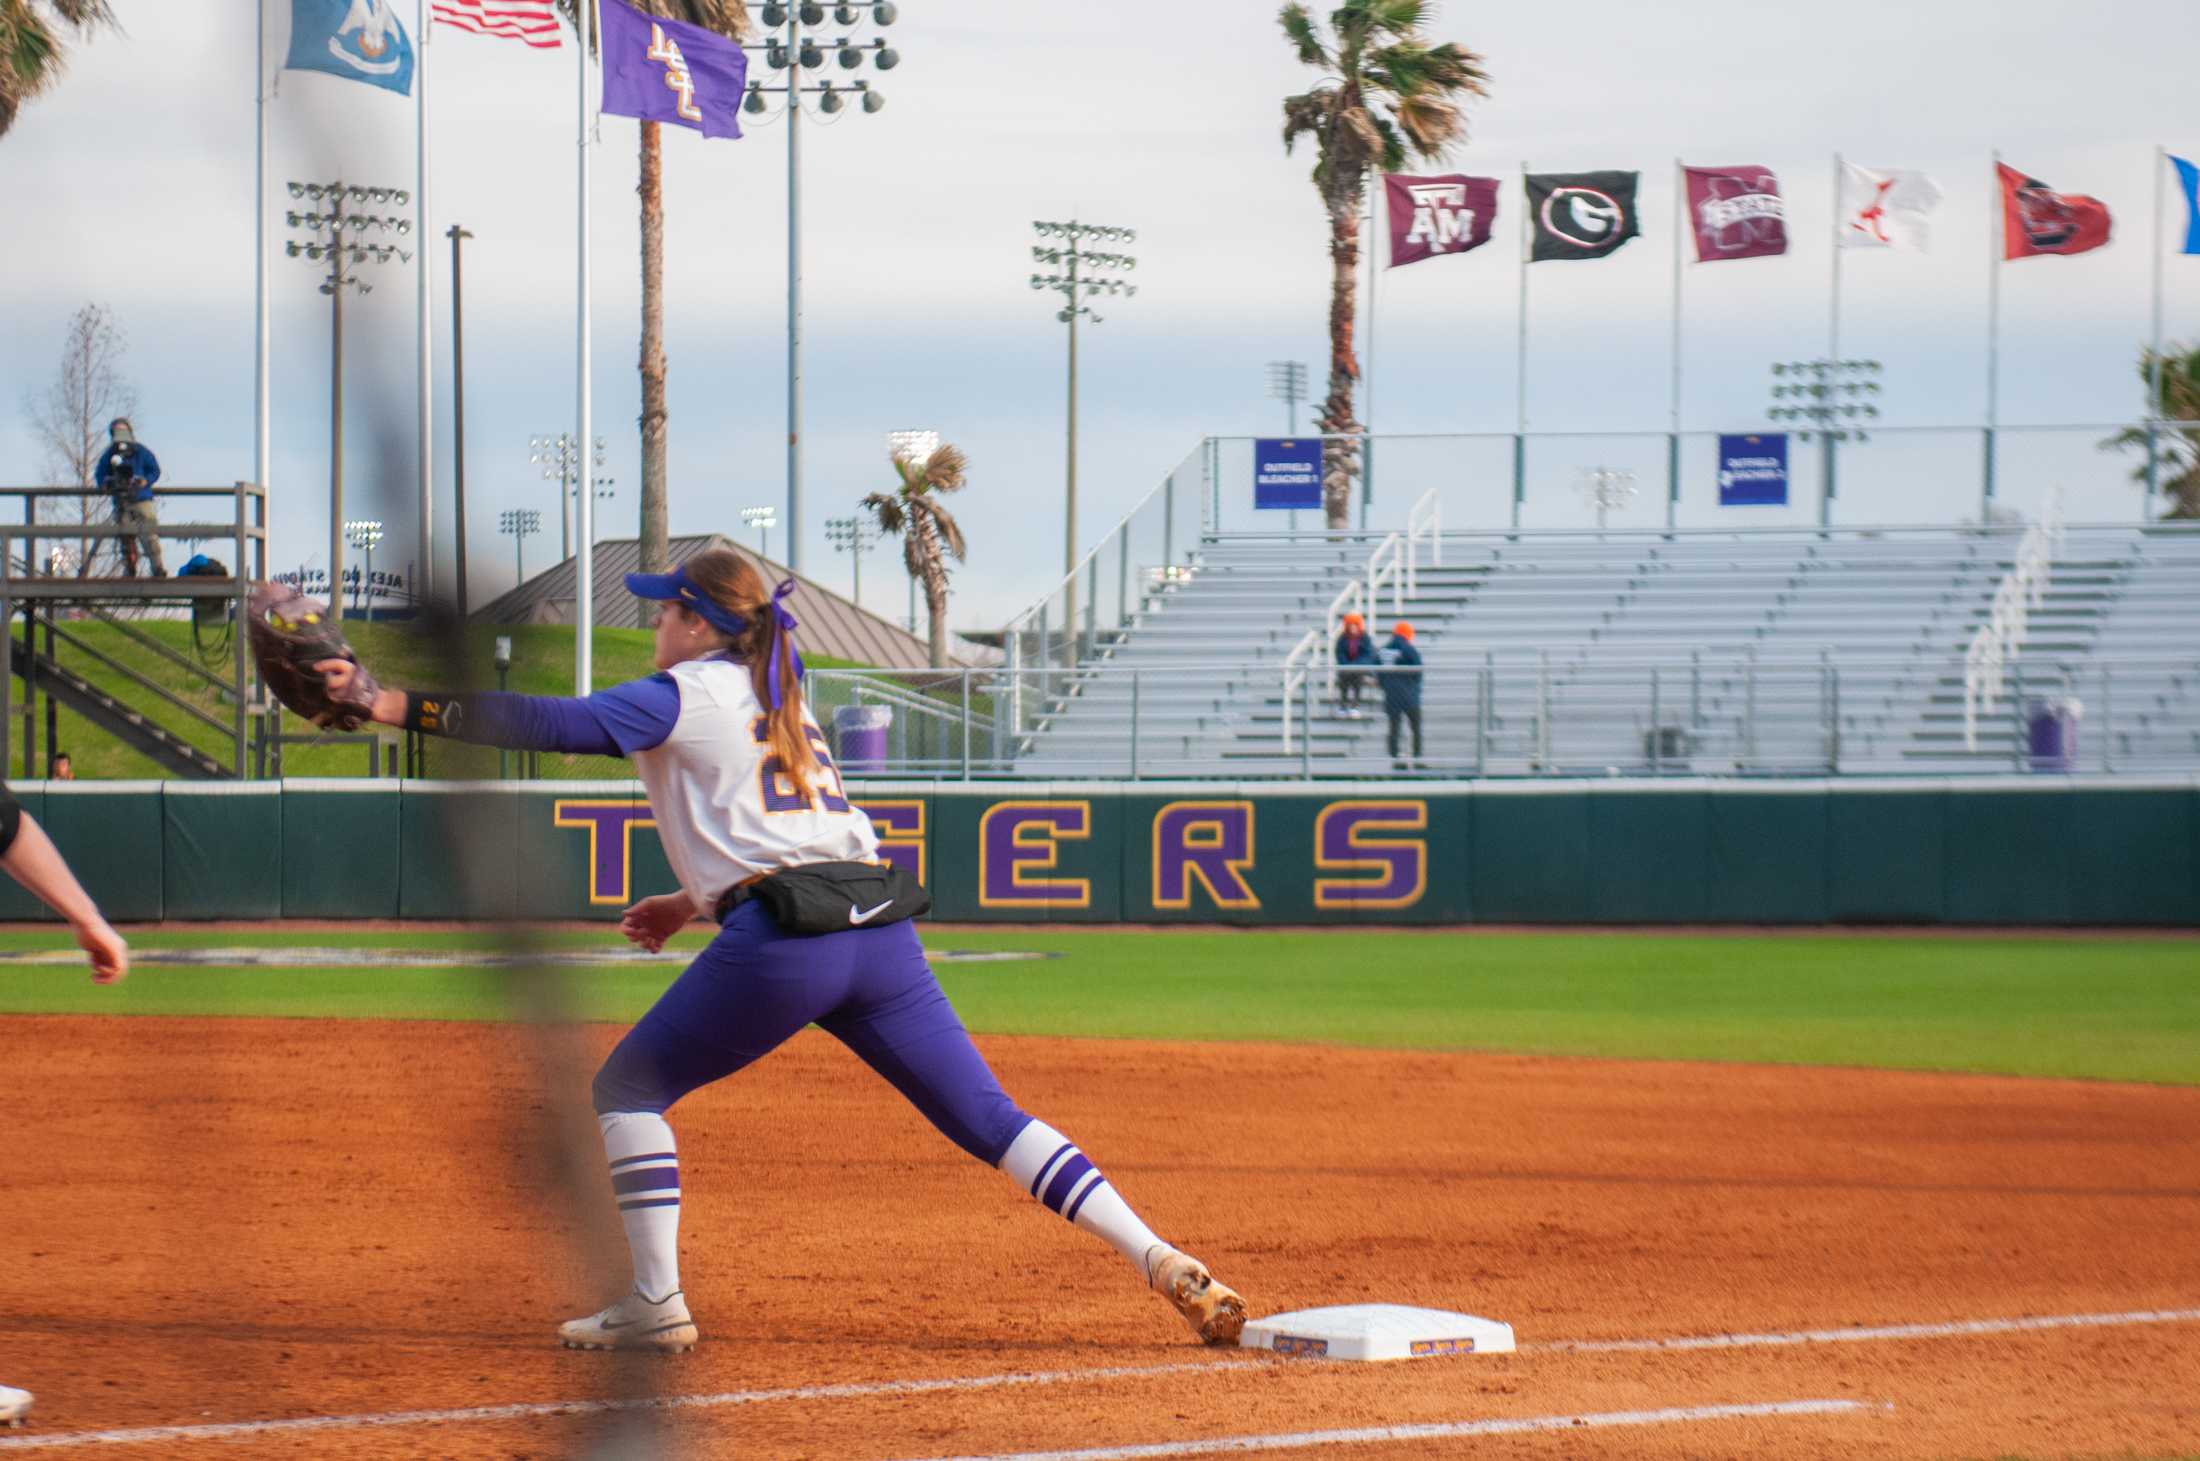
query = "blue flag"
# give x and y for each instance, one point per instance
(360, 39)
(669, 71)
(2189, 176)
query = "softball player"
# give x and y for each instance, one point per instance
(28, 855)
(742, 788)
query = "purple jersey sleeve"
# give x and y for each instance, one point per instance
(636, 716)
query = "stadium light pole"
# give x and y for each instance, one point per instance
(1826, 396)
(330, 229)
(558, 456)
(855, 537)
(1287, 383)
(363, 534)
(912, 446)
(788, 47)
(521, 523)
(1088, 275)
(763, 519)
(457, 235)
(1606, 488)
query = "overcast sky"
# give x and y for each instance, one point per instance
(133, 185)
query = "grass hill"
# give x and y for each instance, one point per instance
(542, 664)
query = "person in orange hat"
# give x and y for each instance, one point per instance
(1402, 690)
(1354, 652)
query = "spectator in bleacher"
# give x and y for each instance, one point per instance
(63, 768)
(1354, 651)
(1402, 690)
(127, 472)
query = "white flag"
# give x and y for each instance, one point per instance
(1885, 210)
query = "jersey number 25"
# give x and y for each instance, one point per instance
(778, 788)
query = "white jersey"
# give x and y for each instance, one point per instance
(725, 810)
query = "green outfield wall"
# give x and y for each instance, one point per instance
(2015, 851)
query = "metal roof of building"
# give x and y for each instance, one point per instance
(831, 625)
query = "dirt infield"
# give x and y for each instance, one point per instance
(206, 1222)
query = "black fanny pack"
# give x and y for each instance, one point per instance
(831, 897)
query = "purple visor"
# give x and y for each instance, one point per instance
(677, 587)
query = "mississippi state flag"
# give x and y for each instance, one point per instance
(2035, 219)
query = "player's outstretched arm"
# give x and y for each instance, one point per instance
(32, 860)
(615, 722)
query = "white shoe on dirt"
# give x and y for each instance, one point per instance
(1215, 1312)
(634, 1322)
(14, 1405)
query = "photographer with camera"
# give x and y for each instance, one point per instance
(127, 472)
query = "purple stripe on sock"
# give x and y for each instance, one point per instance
(1050, 1161)
(631, 1203)
(646, 1179)
(645, 1157)
(1059, 1189)
(1084, 1196)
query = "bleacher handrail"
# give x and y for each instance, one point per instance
(2022, 589)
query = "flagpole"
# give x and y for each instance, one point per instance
(1997, 244)
(1673, 439)
(584, 554)
(260, 414)
(1833, 350)
(1376, 220)
(1520, 363)
(424, 257)
(2154, 359)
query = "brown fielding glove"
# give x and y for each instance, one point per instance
(290, 634)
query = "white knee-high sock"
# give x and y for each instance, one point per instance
(1048, 1165)
(645, 1178)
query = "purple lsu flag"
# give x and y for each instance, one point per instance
(669, 71)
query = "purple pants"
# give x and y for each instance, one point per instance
(870, 988)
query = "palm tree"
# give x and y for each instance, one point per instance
(729, 18)
(2176, 448)
(1385, 92)
(30, 48)
(927, 530)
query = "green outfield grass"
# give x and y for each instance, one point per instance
(2117, 1009)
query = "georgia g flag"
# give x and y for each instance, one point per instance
(670, 71)
(1886, 209)
(2038, 220)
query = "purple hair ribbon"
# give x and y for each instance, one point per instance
(787, 626)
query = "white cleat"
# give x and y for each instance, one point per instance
(1215, 1312)
(14, 1405)
(634, 1322)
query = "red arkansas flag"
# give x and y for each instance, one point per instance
(2035, 219)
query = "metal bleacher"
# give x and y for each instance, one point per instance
(1769, 652)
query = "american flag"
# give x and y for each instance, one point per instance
(532, 21)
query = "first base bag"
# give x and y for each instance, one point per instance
(829, 897)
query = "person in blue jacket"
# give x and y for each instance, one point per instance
(1402, 689)
(1353, 651)
(127, 472)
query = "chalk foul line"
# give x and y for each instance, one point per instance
(142, 1435)
(1956, 1329)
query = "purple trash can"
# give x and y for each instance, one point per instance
(2051, 734)
(859, 737)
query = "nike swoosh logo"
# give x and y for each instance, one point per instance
(866, 914)
(616, 1323)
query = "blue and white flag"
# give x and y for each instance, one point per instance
(359, 39)
(2189, 177)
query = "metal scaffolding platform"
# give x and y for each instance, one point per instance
(41, 596)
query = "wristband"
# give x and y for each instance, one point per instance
(433, 713)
